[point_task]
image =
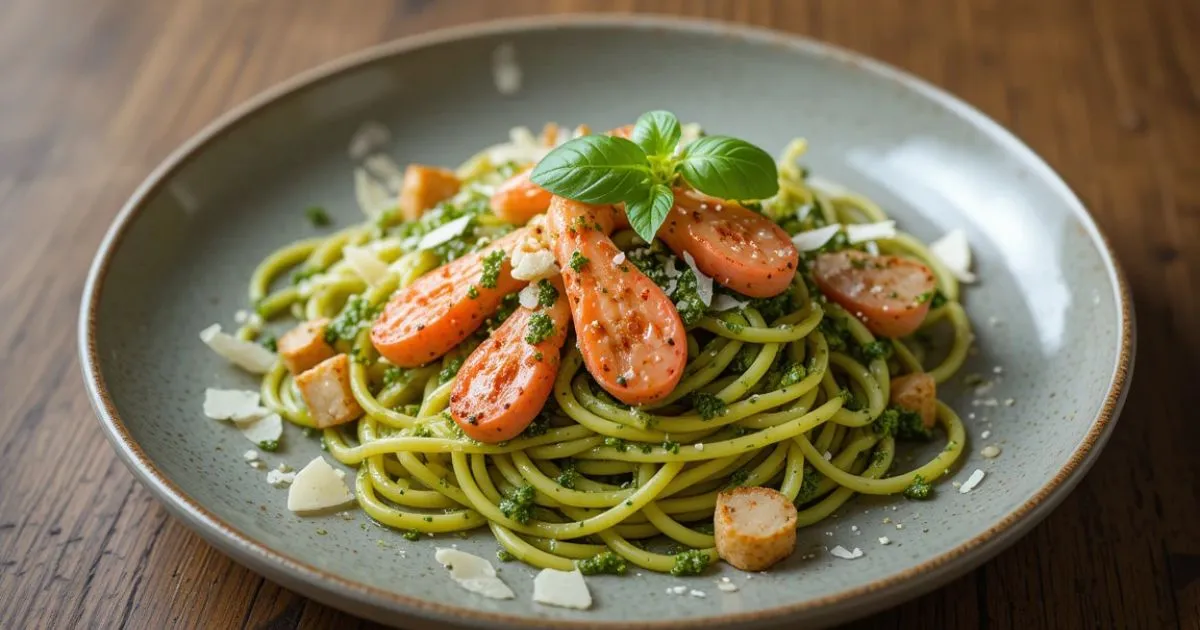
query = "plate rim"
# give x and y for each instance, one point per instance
(320, 584)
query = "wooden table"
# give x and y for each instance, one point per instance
(93, 93)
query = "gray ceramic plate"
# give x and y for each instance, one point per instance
(1051, 308)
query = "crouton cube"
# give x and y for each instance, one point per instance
(423, 187)
(326, 390)
(304, 346)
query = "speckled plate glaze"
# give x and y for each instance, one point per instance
(1051, 310)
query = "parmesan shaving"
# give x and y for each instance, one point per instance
(268, 428)
(862, 232)
(473, 573)
(232, 404)
(245, 354)
(318, 487)
(565, 589)
(366, 265)
(953, 251)
(444, 233)
(815, 239)
(971, 481)
(373, 198)
(723, 302)
(704, 284)
(841, 552)
(369, 138)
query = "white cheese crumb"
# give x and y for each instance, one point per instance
(506, 74)
(565, 589)
(704, 284)
(318, 487)
(859, 233)
(991, 451)
(841, 552)
(955, 254)
(619, 258)
(365, 264)
(697, 593)
(280, 479)
(241, 316)
(828, 456)
(700, 446)
(998, 370)
(258, 464)
(884, 540)
(724, 302)
(899, 525)
(250, 455)
(727, 587)
(986, 434)
(533, 265)
(528, 297)
(971, 481)
(1008, 402)
(854, 528)
(245, 354)
(444, 233)
(473, 573)
(283, 467)
(268, 428)
(815, 239)
(232, 404)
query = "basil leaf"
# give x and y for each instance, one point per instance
(595, 169)
(729, 168)
(657, 133)
(647, 215)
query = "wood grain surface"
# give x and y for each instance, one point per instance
(93, 93)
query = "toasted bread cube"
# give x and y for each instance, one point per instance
(326, 390)
(423, 187)
(916, 392)
(304, 346)
(754, 527)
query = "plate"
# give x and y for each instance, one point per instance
(1052, 311)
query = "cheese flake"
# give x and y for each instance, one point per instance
(862, 232)
(365, 264)
(953, 251)
(444, 233)
(971, 481)
(704, 284)
(723, 302)
(473, 573)
(528, 297)
(268, 428)
(280, 479)
(245, 354)
(565, 589)
(373, 197)
(841, 552)
(318, 487)
(232, 404)
(815, 239)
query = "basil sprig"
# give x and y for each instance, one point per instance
(641, 172)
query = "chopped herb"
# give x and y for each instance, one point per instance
(738, 478)
(270, 343)
(939, 300)
(412, 535)
(808, 486)
(473, 292)
(269, 445)
(671, 446)
(504, 555)
(541, 328)
(449, 370)
(690, 562)
(732, 326)
(885, 424)
(617, 443)
(881, 349)
(568, 474)
(621, 380)
(577, 261)
(837, 333)
(356, 314)
(647, 448)
(539, 426)
(605, 562)
(317, 216)
(910, 426)
(709, 406)
(924, 297)
(392, 375)
(794, 374)
(537, 356)
(310, 432)
(851, 402)
(518, 504)
(742, 360)
(547, 295)
(919, 489)
(421, 431)
(704, 528)
(491, 269)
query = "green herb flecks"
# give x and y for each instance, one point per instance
(317, 216)
(540, 328)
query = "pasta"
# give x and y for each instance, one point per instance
(790, 392)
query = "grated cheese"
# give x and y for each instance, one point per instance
(859, 233)
(280, 479)
(565, 589)
(245, 354)
(841, 552)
